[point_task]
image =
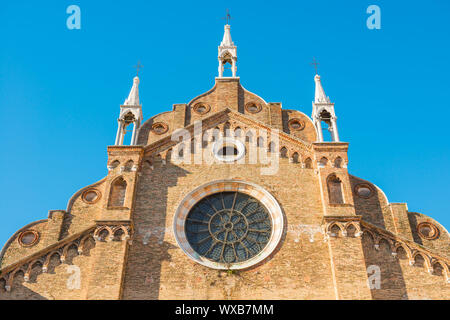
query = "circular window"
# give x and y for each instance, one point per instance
(228, 227)
(91, 196)
(160, 128)
(228, 224)
(28, 238)
(253, 107)
(201, 108)
(428, 230)
(296, 124)
(363, 190)
(228, 149)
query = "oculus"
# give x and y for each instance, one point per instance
(296, 124)
(28, 238)
(160, 128)
(428, 230)
(228, 224)
(201, 108)
(228, 227)
(364, 190)
(252, 107)
(91, 196)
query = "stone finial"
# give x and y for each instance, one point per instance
(133, 97)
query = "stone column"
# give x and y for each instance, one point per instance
(335, 130)
(233, 68)
(319, 130)
(119, 133)
(133, 136)
(220, 69)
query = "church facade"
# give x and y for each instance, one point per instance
(228, 197)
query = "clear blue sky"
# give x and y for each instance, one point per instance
(60, 89)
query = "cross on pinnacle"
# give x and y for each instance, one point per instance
(315, 64)
(138, 66)
(228, 16)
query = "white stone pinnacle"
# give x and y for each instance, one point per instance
(320, 96)
(227, 42)
(133, 97)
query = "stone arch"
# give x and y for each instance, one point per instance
(338, 162)
(103, 234)
(33, 269)
(401, 246)
(48, 260)
(335, 229)
(129, 165)
(238, 132)
(260, 142)
(308, 163)
(82, 245)
(295, 157)
(227, 129)
(439, 268)
(271, 147)
(323, 162)
(120, 233)
(417, 256)
(66, 251)
(335, 189)
(352, 229)
(114, 164)
(249, 136)
(283, 152)
(117, 193)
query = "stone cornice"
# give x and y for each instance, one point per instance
(100, 231)
(382, 233)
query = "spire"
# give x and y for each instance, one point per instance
(323, 111)
(320, 96)
(133, 97)
(227, 42)
(130, 113)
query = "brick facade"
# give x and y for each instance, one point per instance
(121, 245)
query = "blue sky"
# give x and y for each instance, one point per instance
(60, 89)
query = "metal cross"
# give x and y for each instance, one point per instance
(228, 16)
(315, 64)
(138, 66)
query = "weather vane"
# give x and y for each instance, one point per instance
(315, 64)
(138, 66)
(228, 16)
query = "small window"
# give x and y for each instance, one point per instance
(308, 163)
(28, 238)
(201, 108)
(228, 151)
(364, 190)
(338, 162)
(117, 193)
(296, 124)
(160, 128)
(335, 190)
(252, 107)
(91, 196)
(428, 230)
